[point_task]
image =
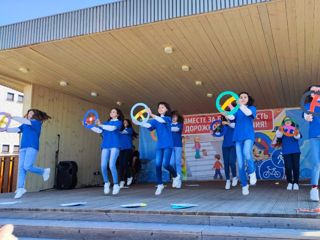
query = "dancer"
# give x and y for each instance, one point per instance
(29, 147)
(290, 153)
(110, 148)
(176, 157)
(244, 138)
(314, 136)
(229, 153)
(126, 153)
(162, 124)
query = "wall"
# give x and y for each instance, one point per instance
(76, 143)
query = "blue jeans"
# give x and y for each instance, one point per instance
(217, 173)
(27, 157)
(109, 155)
(175, 161)
(245, 158)
(229, 160)
(197, 155)
(163, 156)
(315, 155)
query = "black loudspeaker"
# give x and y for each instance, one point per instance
(67, 175)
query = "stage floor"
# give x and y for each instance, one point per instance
(265, 199)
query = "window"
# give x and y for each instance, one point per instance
(16, 148)
(10, 96)
(5, 148)
(20, 98)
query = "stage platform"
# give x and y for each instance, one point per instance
(268, 207)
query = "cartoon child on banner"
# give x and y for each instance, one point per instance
(197, 147)
(217, 166)
(186, 171)
(204, 152)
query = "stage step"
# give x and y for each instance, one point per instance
(119, 225)
(129, 230)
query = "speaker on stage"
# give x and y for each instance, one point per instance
(67, 175)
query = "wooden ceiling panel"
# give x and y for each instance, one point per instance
(271, 50)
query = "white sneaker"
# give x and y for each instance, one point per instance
(253, 178)
(20, 192)
(106, 189)
(228, 183)
(245, 190)
(129, 181)
(234, 181)
(160, 187)
(295, 186)
(179, 184)
(46, 174)
(289, 187)
(176, 181)
(314, 194)
(122, 184)
(116, 189)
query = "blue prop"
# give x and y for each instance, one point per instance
(90, 118)
(218, 130)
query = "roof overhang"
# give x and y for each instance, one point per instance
(270, 50)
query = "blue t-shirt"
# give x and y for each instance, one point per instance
(228, 137)
(30, 134)
(177, 136)
(244, 125)
(163, 130)
(111, 139)
(290, 145)
(126, 139)
(314, 126)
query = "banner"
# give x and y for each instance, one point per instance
(200, 124)
(200, 147)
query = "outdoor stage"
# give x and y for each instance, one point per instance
(268, 212)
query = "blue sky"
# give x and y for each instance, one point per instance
(12, 11)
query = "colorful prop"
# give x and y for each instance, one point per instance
(289, 131)
(90, 118)
(218, 130)
(314, 103)
(183, 205)
(228, 103)
(74, 204)
(140, 117)
(134, 205)
(5, 120)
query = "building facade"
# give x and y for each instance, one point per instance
(11, 101)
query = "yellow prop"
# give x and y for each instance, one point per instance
(3, 121)
(228, 103)
(140, 115)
